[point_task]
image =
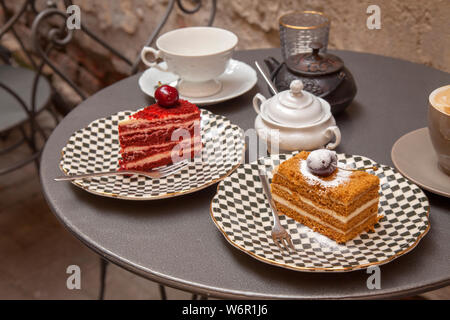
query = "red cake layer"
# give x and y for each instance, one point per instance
(146, 163)
(134, 153)
(146, 136)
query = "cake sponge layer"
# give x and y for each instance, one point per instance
(343, 223)
(339, 206)
(327, 230)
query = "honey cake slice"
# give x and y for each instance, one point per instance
(339, 206)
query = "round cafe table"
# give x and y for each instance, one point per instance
(174, 241)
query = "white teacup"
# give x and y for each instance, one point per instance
(198, 55)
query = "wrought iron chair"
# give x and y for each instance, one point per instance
(23, 94)
(58, 37)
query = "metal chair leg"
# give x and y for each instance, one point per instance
(198, 297)
(103, 269)
(52, 111)
(37, 163)
(162, 292)
(32, 145)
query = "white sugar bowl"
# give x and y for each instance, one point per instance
(295, 120)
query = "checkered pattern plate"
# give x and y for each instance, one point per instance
(241, 212)
(96, 148)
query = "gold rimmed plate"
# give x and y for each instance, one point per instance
(241, 212)
(95, 148)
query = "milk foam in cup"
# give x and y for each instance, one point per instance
(439, 125)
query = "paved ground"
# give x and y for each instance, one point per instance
(35, 249)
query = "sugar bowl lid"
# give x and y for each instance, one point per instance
(295, 107)
(313, 63)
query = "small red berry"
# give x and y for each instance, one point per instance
(166, 96)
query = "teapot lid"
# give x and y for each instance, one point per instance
(295, 98)
(313, 63)
(295, 106)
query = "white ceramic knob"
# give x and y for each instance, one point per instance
(296, 87)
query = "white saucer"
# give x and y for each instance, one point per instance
(414, 156)
(237, 79)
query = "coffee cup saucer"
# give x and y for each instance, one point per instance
(237, 79)
(414, 157)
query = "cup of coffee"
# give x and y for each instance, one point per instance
(439, 125)
(198, 55)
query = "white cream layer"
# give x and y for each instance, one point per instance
(132, 121)
(331, 212)
(300, 211)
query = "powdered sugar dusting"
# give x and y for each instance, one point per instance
(342, 176)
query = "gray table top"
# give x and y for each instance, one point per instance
(174, 241)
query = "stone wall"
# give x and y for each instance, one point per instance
(414, 30)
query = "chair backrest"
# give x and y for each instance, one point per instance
(60, 36)
(28, 106)
(5, 55)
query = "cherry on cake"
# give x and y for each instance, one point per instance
(313, 190)
(159, 135)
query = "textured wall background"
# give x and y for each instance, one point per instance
(414, 30)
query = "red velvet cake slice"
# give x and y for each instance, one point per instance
(157, 136)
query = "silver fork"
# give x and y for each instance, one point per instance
(154, 174)
(279, 234)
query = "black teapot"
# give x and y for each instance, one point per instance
(323, 75)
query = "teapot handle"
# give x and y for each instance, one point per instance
(258, 99)
(330, 132)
